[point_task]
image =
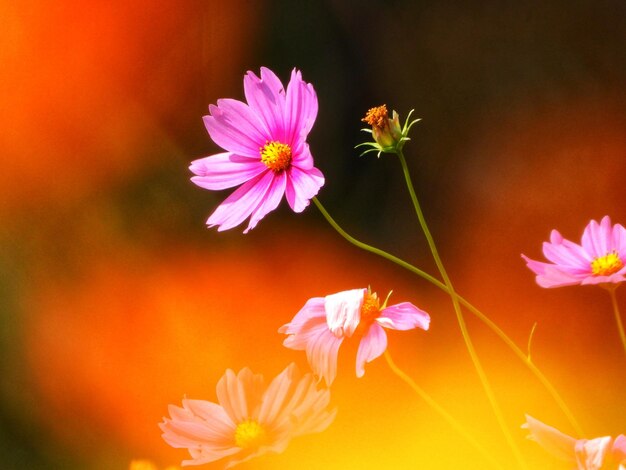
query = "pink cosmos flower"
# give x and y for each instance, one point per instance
(265, 150)
(601, 453)
(323, 323)
(600, 259)
(252, 418)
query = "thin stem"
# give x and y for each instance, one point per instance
(475, 311)
(444, 414)
(459, 316)
(618, 318)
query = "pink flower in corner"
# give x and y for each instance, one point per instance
(323, 323)
(600, 259)
(252, 418)
(265, 150)
(601, 453)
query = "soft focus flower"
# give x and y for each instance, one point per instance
(146, 465)
(252, 418)
(321, 325)
(600, 259)
(388, 136)
(266, 150)
(601, 453)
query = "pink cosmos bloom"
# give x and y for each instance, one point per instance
(252, 418)
(601, 453)
(600, 259)
(266, 150)
(323, 323)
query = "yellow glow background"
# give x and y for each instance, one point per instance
(116, 301)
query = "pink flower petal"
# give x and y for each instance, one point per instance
(597, 238)
(322, 353)
(213, 414)
(302, 157)
(270, 201)
(619, 449)
(343, 311)
(239, 394)
(300, 108)
(266, 96)
(302, 186)
(372, 345)
(404, 316)
(224, 170)
(591, 454)
(554, 441)
(619, 241)
(308, 331)
(277, 393)
(307, 407)
(567, 254)
(233, 126)
(313, 310)
(241, 203)
(549, 275)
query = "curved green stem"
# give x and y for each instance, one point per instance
(475, 311)
(618, 318)
(458, 427)
(459, 316)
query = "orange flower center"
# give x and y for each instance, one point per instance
(249, 433)
(370, 311)
(606, 265)
(276, 156)
(377, 117)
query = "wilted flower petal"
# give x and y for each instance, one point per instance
(323, 323)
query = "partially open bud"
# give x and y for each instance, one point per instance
(388, 136)
(386, 131)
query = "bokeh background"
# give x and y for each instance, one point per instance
(115, 300)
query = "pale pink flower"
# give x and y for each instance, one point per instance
(600, 259)
(266, 150)
(323, 323)
(601, 453)
(250, 418)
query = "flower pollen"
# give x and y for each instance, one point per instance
(606, 265)
(249, 434)
(370, 311)
(276, 156)
(377, 117)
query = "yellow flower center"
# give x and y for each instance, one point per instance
(370, 311)
(276, 156)
(249, 434)
(606, 265)
(377, 117)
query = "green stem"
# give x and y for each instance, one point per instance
(475, 311)
(459, 316)
(444, 414)
(618, 318)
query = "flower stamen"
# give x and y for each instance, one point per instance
(249, 433)
(276, 156)
(370, 311)
(377, 117)
(606, 265)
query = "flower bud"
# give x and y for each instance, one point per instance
(389, 136)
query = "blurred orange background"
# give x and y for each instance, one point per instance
(116, 301)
